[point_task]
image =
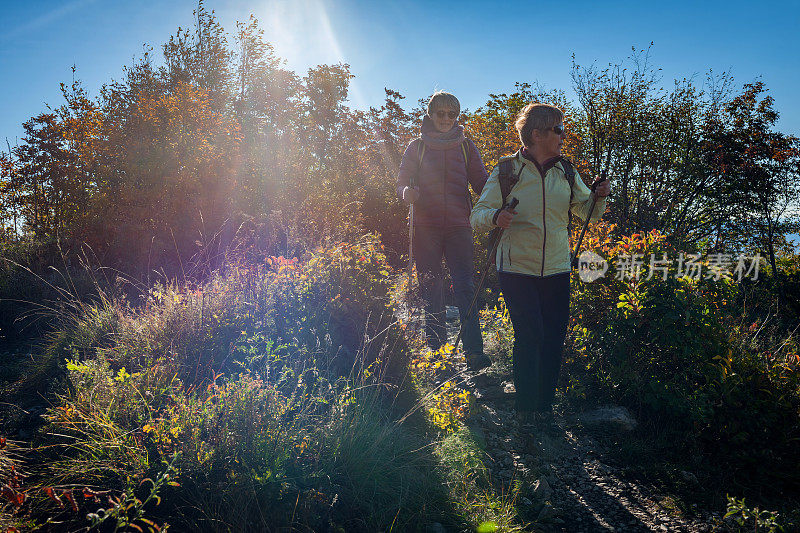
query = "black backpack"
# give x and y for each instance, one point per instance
(508, 180)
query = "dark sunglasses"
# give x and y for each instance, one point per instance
(450, 114)
(558, 129)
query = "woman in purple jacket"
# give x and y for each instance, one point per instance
(435, 175)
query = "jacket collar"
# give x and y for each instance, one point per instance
(526, 157)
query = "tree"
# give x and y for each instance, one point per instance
(201, 57)
(760, 165)
(9, 193)
(52, 191)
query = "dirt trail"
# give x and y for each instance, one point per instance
(575, 486)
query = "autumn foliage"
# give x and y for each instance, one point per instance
(229, 232)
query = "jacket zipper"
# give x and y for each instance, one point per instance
(544, 223)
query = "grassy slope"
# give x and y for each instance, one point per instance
(233, 385)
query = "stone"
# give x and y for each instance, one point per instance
(547, 513)
(615, 417)
(688, 476)
(542, 489)
(451, 312)
(491, 416)
(37, 410)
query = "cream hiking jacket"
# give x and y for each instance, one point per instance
(537, 242)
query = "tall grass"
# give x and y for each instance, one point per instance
(276, 390)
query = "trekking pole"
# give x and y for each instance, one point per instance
(574, 254)
(410, 250)
(511, 204)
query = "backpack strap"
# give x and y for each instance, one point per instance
(464, 150)
(507, 179)
(569, 172)
(421, 153)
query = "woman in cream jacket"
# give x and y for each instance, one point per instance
(533, 256)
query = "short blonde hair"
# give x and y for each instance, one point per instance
(535, 116)
(441, 99)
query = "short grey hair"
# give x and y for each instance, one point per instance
(441, 99)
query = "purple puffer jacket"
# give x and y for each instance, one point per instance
(443, 183)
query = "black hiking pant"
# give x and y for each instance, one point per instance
(455, 245)
(539, 309)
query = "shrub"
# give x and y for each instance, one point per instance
(702, 354)
(745, 518)
(268, 386)
(648, 342)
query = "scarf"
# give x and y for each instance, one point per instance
(437, 140)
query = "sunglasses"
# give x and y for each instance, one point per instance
(450, 114)
(558, 129)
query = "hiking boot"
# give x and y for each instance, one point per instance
(477, 361)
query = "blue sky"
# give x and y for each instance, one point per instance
(469, 48)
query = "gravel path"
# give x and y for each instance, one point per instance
(574, 488)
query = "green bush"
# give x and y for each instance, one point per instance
(648, 343)
(270, 387)
(709, 356)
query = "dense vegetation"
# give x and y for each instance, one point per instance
(205, 256)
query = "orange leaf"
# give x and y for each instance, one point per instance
(52, 495)
(71, 499)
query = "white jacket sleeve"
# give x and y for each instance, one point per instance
(582, 201)
(487, 205)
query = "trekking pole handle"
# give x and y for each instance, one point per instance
(598, 182)
(511, 204)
